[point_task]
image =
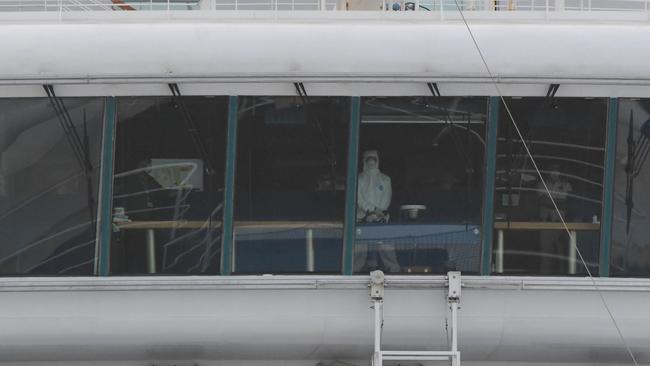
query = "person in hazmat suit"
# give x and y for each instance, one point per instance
(374, 193)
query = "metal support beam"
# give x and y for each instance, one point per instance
(433, 88)
(552, 89)
(300, 90)
(349, 232)
(104, 206)
(608, 189)
(229, 191)
(490, 176)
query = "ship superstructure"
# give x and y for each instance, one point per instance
(213, 182)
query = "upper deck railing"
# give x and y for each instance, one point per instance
(439, 6)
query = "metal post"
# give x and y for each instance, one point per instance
(104, 226)
(378, 305)
(573, 245)
(454, 324)
(309, 243)
(608, 189)
(151, 251)
(349, 230)
(490, 177)
(377, 297)
(453, 298)
(454, 333)
(227, 249)
(499, 254)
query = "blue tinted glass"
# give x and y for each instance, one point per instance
(290, 187)
(630, 250)
(168, 185)
(566, 137)
(420, 184)
(49, 164)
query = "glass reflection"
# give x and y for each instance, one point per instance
(420, 184)
(49, 164)
(290, 184)
(168, 185)
(630, 252)
(566, 137)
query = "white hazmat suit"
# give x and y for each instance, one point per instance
(374, 190)
(374, 193)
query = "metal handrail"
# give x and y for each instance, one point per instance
(438, 6)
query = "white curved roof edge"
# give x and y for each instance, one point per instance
(265, 58)
(311, 282)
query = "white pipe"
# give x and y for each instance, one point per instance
(454, 326)
(379, 322)
(151, 251)
(499, 254)
(573, 247)
(309, 243)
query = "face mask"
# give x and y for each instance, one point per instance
(371, 164)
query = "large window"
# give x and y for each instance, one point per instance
(420, 184)
(290, 184)
(49, 164)
(630, 251)
(566, 137)
(168, 185)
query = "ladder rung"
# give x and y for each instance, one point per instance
(418, 355)
(415, 353)
(416, 358)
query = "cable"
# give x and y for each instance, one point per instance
(566, 228)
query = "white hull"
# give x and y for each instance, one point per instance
(303, 320)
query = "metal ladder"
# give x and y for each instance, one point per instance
(377, 298)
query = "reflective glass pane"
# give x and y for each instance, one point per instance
(49, 164)
(290, 187)
(420, 184)
(566, 137)
(168, 185)
(630, 250)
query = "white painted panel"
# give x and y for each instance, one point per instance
(293, 318)
(343, 51)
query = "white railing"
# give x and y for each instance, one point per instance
(328, 5)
